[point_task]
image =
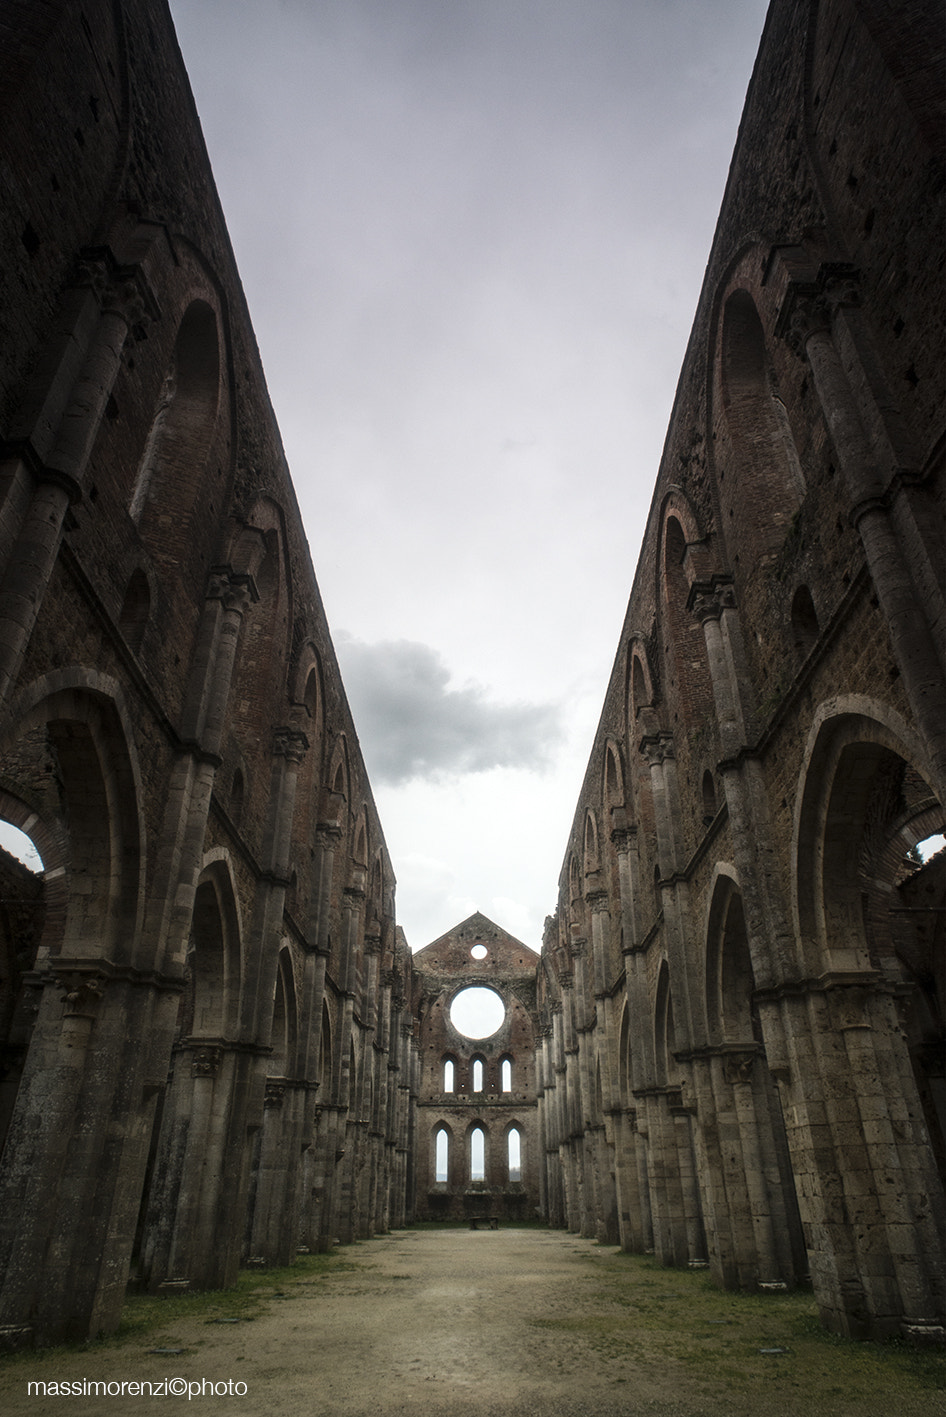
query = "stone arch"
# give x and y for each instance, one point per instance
(590, 858)
(640, 689)
(613, 784)
(864, 781)
(210, 1002)
(308, 692)
(664, 1033)
(285, 1025)
(338, 778)
(625, 1057)
(477, 1164)
(359, 844)
(514, 1143)
(864, 902)
(574, 879)
(683, 560)
(259, 551)
(441, 1149)
(66, 750)
(758, 472)
(170, 473)
(730, 980)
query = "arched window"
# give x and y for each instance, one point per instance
(514, 1154)
(448, 1075)
(477, 1154)
(506, 1075)
(441, 1155)
(477, 1074)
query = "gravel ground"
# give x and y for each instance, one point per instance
(433, 1323)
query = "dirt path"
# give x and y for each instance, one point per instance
(441, 1324)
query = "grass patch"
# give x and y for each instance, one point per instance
(645, 1313)
(151, 1318)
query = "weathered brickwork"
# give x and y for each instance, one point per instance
(217, 1047)
(207, 1037)
(741, 991)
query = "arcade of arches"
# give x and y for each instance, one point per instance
(217, 1045)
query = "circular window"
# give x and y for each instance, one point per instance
(479, 951)
(477, 1012)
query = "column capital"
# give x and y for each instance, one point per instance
(708, 599)
(120, 290)
(809, 305)
(657, 748)
(237, 590)
(599, 901)
(81, 991)
(290, 743)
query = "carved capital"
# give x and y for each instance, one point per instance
(275, 1093)
(81, 992)
(708, 603)
(809, 306)
(291, 744)
(206, 1061)
(657, 749)
(237, 591)
(737, 1067)
(120, 290)
(599, 901)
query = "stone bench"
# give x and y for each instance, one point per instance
(492, 1221)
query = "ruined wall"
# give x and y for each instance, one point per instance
(456, 1098)
(208, 1047)
(742, 1008)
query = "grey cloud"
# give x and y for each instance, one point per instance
(411, 725)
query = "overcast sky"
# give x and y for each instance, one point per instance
(472, 235)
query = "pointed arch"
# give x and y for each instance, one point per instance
(758, 470)
(171, 471)
(68, 742)
(730, 979)
(664, 1034)
(590, 861)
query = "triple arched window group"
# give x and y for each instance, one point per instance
(477, 1075)
(476, 1155)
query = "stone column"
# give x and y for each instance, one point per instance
(861, 1153)
(88, 1091)
(313, 1140)
(346, 1140)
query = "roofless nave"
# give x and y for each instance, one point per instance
(217, 1046)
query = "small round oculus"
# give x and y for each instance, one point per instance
(479, 952)
(477, 1012)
